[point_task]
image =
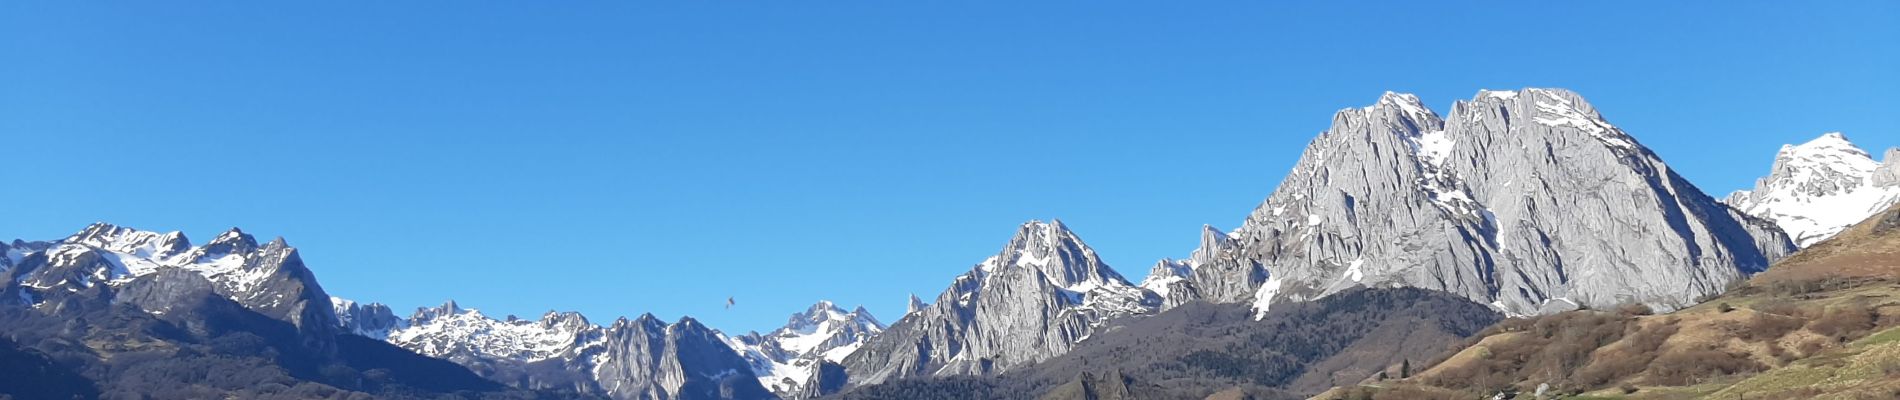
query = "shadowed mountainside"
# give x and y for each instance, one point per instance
(1197, 349)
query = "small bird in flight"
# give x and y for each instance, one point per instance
(729, 303)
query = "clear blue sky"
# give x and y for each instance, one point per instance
(658, 156)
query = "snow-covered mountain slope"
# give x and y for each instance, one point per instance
(1045, 291)
(641, 358)
(1818, 188)
(1528, 200)
(787, 358)
(270, 279)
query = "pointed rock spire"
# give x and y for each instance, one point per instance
(233, 241)
(1043, 292)
(916, 304)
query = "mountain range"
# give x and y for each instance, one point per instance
(139, 314)
(1521, 203)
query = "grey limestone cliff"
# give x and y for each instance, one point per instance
(1527, 200)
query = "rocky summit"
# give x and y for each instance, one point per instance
(789, 360)
(1528, 200)
(1819, 188)
(1035, 299)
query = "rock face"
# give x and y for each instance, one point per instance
(1818, 188)
(787, 359)
(1527, 200)
(1888, 174)
(1172, 282)
(269, 279)
(1035, 299)
(641, 358)
(372, 320)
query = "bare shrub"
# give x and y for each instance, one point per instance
(1640, 350)
(1403, 393)
(1768, 326)
(1811, 347)
(1890, 367)
(1781, 354)
(1695, 365)
(1550, 349)
(1844, 323)
(1783, 308)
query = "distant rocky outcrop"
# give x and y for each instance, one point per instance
(1035, 299)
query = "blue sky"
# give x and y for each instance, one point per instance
(659, 156)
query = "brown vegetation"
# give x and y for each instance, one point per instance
(1843, 323)
(1792, 332)
(1556, 349)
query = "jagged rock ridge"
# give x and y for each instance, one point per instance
(788, 359)
(270, 279)
(1527, 200)
(147, 314)
(640, 358)
(1045, 291)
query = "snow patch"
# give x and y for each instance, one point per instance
(1263, 298)
(1557, 112)
(1433, 147)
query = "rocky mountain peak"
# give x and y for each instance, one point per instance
(274, 283)
(641, 357)
(916, 304)
(146, 244)
(1055, 251)
(826, 312)
(233, 241)
(563, 320)
(1827, 165)
(784, 359)
(1390, 195)
(448, 308)
(1403, 107)
(1044, 291)
(1172, 281)
(372, 320)
(1821, 187)
(643, 321)
(821, 311)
